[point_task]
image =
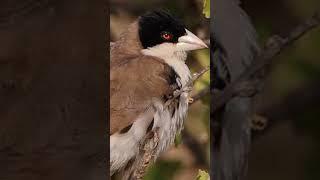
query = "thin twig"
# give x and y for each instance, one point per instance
(197, 75)
(200, 94)
(194, 78)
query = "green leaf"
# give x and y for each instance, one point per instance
(202, 175)
(206, 8)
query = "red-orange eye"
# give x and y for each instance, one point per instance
(167, 36)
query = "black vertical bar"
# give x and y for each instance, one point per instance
(52, 89)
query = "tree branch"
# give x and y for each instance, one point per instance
(200, 94)
(273, 47)
(197, 75)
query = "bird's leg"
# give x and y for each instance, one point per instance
(176, 93)
(178, 86)
(188, 89)
(174, 89)
(182, 89)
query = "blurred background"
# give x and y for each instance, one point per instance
(290, 148)
(191, 150)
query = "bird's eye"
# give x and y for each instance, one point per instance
(166, 36)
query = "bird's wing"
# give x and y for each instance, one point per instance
(134, 84)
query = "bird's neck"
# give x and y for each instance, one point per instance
(175, 59)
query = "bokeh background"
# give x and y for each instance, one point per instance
(290, 148)
(191, 150)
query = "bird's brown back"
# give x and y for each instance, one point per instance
(135, 81)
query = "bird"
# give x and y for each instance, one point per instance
(235, 47)
(147, 69)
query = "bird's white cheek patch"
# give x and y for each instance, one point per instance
(175, 59)
(161, 51)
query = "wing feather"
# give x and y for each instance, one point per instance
(135, 82)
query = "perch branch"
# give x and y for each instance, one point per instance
(194, 78)
(197, 75)
(200, 94)
(273, 47)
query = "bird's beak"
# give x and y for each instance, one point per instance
(190, 42)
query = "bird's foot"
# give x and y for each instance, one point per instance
(258, 122)
(187, 89)
(176, 93)
(275, 42)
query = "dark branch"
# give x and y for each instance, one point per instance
(273, 47)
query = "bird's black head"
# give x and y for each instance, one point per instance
(159, 26)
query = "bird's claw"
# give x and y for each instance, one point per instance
(176, 93)
(187, 89)
(258, 122)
